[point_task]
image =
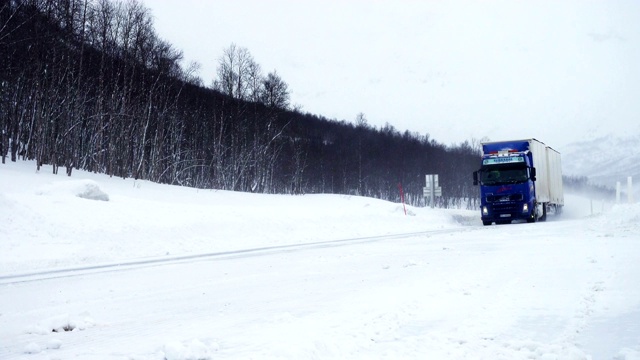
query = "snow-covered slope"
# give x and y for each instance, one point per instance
(605, 160)
(55, 220)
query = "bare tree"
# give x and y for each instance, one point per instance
(275, 91)
(254, 82)
(236, 68)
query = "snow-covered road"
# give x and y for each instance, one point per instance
(564, 289)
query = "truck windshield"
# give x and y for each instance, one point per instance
(501, 175)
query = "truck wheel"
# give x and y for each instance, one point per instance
(486, 223)
(544, 212)
(534, 217)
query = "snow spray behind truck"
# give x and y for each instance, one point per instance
(519, 179)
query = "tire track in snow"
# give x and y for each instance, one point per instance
(232, 254)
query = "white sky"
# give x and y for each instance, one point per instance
(553, 70)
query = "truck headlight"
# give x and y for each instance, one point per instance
(485, 211)
(525, 208)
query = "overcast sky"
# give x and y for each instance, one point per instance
(553, 70)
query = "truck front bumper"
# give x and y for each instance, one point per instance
(504, 212)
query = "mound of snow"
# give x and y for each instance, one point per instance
(86, 189)
(54, 344)
(623, 217)
(93, 192)
(32, 348)
(62, 323)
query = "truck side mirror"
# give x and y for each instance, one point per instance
(475, 178)
(533, 174)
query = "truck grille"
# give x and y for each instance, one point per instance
(500, 198)
(505, 208)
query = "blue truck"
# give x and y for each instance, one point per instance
(519, 180)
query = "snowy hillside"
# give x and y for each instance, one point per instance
(605, 160)
(93, 267)
(142, 219)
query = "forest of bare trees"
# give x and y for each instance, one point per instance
(88, 84)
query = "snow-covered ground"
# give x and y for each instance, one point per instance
(93, 267)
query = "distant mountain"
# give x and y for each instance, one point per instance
(605, 161)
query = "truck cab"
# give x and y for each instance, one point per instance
(519, 179)
(507, 187)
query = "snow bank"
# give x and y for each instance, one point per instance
(50, 213)
(626, 217)
(86, 189)
(61, 323)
